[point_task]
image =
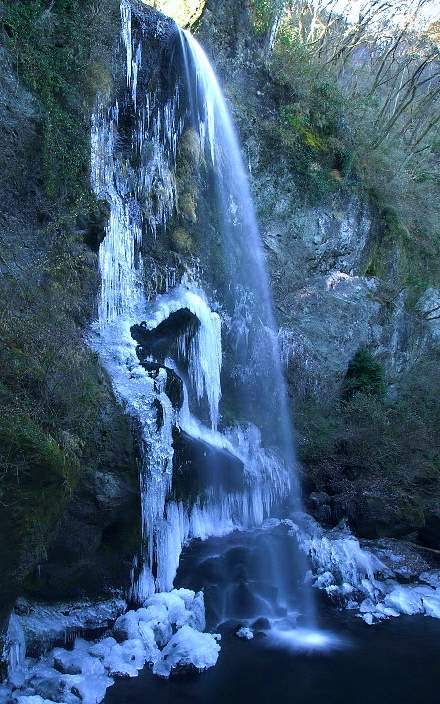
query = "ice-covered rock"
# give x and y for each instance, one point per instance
(431, 577)
(33, 699)
(323, 580)
(173, 605)
(76, 662)
(146, 633)
(188, 649)
(166, 633)
(196, 606)
(178, 607)
(47, 682)
(14, 651)
(127, 626)
(90, 689)
(125, 659)
(46, 625)
(368, 577)
(245, 633)
(414, 599)
(102, 648)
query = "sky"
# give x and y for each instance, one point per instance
(430, 12)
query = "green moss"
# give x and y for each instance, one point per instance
(300, 124)
(261, 15)
(307, 135)
(393, 226)
(38, 477)
(187, 206)
(60, 59)
(406, 260)
(190, 147)
(181, 241)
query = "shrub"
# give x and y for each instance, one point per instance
(368, 437)
(364, 375)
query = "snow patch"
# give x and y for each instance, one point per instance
(357, 579)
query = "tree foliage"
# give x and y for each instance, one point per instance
(359, 103)
(364, 375)
(365, 435)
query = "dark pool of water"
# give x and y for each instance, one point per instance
(397, 662)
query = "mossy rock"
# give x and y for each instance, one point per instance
(93, 223)
(181, 241)
(61, 55)
(190, 147)
(187, 207)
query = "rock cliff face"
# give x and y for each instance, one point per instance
(329, 302)
(337, 286)
(68, 476)
(68, 480)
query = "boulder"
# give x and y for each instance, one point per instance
(160, 341)
(374, 515)
(188, 650)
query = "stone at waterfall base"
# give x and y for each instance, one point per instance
(188, 650)
(166, 633)
(245, 633)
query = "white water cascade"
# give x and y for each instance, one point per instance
(126, 170)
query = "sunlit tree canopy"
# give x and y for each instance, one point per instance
(184, 12)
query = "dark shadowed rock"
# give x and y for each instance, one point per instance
(174, 384)
(163, 339)
(429, 535)
(198, 467)
(379, 515)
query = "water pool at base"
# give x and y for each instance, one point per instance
(342, 661)
(396, 662)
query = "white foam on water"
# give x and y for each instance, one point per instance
(303, 640)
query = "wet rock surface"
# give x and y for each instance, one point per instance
(174, 384)
(199, 467)
(161, 341)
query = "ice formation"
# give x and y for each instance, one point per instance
(358, 579)
(166, 633)
(156, 124)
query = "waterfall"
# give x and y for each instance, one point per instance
(200, 476)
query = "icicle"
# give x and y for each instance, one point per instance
(126, 36)
(136, 63)
(203, 350)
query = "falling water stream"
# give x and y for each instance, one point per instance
(174, 339)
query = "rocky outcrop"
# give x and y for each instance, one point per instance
(339, 284)
(328, 302)
(69, 489)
